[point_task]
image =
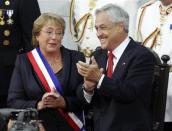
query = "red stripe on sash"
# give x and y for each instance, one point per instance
(69, 120)
(38, 71)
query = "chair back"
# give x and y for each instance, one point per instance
(159, 93)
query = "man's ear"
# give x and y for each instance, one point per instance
(120, 26)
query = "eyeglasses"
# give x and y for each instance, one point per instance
(52, 33)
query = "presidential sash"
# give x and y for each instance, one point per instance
(50, 81)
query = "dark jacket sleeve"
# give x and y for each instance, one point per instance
(24, 92)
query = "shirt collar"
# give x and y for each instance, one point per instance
(117, 52)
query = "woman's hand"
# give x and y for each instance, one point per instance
(54, 102)
(41, 105)
(51, 100)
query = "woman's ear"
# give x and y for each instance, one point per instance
(37, 37)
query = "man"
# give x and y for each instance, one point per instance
(82, 13)
(154, 29)
(121, 100)
(16, 18)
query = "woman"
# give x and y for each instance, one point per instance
(16, 21)
(46, 78)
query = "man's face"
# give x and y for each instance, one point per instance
(107, 32)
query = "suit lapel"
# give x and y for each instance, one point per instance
(101, 59)
(123, 61)
(66, 58)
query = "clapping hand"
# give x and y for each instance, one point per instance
(91, 74)
(90, 71)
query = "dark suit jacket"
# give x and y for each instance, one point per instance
(123, 102)
(25, 88)
(23, 16)
(15, 36)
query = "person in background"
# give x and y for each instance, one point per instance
(118, 82)
(154, 30)
(16, 21)
(47, 79)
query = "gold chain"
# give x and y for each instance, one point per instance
(164, 12)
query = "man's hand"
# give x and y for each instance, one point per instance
(89, 86)
(90, 72)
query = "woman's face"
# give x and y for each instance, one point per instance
(50, 37)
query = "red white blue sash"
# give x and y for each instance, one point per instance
(49, 81)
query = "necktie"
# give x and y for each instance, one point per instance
(110, 64)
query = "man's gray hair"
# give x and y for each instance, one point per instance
(116, 14)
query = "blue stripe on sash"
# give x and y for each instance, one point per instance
(50, 71)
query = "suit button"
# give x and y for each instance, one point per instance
(7, 32)
(6, 42)
(7, 2)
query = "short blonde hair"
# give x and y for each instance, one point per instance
(41, 21)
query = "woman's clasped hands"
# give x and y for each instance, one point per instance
(51, 100)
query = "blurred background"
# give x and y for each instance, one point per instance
(80, 8)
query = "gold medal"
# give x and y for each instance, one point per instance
(6, 42)
(1, 12)
(7, 32)
(7, 2)
(2, 22)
